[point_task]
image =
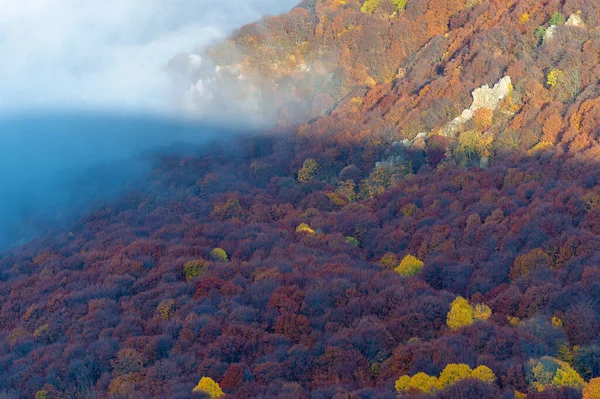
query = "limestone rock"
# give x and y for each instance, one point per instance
(483, 97)
(575, 20)
(550, 33)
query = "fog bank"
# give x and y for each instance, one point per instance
(108, 54)
(85, 92)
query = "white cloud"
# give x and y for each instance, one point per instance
(107, 53)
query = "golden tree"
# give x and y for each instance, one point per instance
(304, 228)
(453, 373)
(548, 371)
(592, 390)
(484, 373)
(210, 387)
(460, 314)
(409, 266)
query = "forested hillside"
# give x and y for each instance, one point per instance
(423, 222)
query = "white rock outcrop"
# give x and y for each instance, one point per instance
(483, 97)
(575, 20)
(550, 33)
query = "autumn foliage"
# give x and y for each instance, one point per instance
(355, 249)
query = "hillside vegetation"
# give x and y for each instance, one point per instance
(423, 222)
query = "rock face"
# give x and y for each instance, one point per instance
(483, 97)
(550, 33)
(575, 20)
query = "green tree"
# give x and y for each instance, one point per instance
(352, 241)
(557, 18)
(400, 4)
(369, 6)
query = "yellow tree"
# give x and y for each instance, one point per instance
(304, 228)
(453, 373)
(460, 314)
(409, 266)
(548, 371)
(419, 382)
(210, 387)
(484, 373)
(219, 255)
(423, 382)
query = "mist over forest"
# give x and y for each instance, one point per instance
(85, 91)
(338, 199)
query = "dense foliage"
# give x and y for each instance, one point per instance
(323, 260)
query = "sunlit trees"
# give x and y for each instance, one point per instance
(547, 371)
(409, 266)
(452, 374)
(553, 77)
(369, 6)
(304, 228)
(208, 386)
(463, 314)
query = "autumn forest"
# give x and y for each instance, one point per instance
(420, 220)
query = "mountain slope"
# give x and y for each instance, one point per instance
(371, 245)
